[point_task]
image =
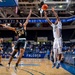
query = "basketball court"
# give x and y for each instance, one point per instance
(32, 67)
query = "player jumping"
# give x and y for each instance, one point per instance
(57, 33)
(21, 42)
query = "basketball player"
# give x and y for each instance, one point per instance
(21, 42)
(51, 56)
(13, 45)
(1, 51)
(57, 45)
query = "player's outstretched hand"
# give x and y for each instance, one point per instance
(4, 25)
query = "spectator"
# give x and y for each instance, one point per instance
(48, 54)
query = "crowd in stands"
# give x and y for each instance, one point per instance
(69, 47)
(39, 48)
(31, 48)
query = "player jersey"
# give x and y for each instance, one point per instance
(20, 32)
(57, 29)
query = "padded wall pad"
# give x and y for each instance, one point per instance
(8, 3)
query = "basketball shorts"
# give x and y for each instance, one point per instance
(57, 45)
(21, 43)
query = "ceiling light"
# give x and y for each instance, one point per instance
(60, 6)
(67, 0)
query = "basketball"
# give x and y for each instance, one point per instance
(45, 7)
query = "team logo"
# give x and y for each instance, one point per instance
(19, 32)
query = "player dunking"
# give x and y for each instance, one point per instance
(21, 42)
(57, 33)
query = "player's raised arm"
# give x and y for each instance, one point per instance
(56, 15)
(8, 27)
(26, 22)
(45, 13)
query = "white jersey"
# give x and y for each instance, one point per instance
(57, 29)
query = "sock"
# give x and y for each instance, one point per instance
(9, 63)
(16, 65)
(58, 61)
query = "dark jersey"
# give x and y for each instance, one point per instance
(1, 45)
(17, 24)
(20, 32)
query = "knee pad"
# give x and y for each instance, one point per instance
(13, 54)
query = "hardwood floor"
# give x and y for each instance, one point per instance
(32, 67)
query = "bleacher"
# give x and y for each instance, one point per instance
(69, 58)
